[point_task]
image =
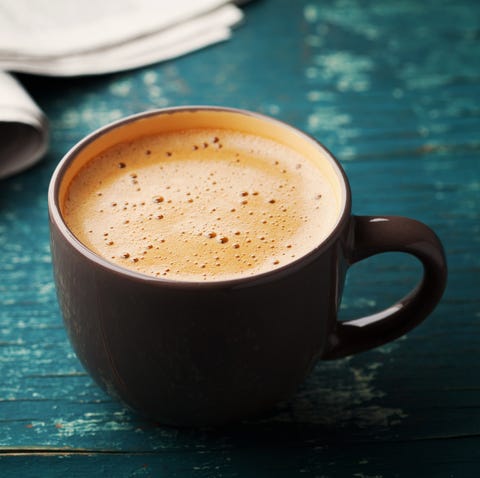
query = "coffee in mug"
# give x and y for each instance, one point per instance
(199, 257)
(202, 204)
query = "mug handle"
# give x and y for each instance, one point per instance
(374, 235)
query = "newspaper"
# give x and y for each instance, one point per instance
(87, 37)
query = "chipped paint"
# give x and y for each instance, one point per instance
(154, 91)
(89, 117)
(348, 70)
(150, 77)
(93, 423)
(341, 394)
(121, 88)
(345, 72)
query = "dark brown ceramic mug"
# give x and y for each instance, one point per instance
(207, 353)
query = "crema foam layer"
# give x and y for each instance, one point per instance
(200, 205)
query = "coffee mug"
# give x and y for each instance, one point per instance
(207, 350)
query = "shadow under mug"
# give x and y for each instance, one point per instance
(208, 353)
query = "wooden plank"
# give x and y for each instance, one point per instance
(273, 457)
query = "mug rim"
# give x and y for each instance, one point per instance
(57, 219)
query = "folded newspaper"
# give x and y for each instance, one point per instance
(87, 37)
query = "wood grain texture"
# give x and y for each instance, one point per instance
(392, 90)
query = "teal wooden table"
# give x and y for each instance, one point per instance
(393, 89)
